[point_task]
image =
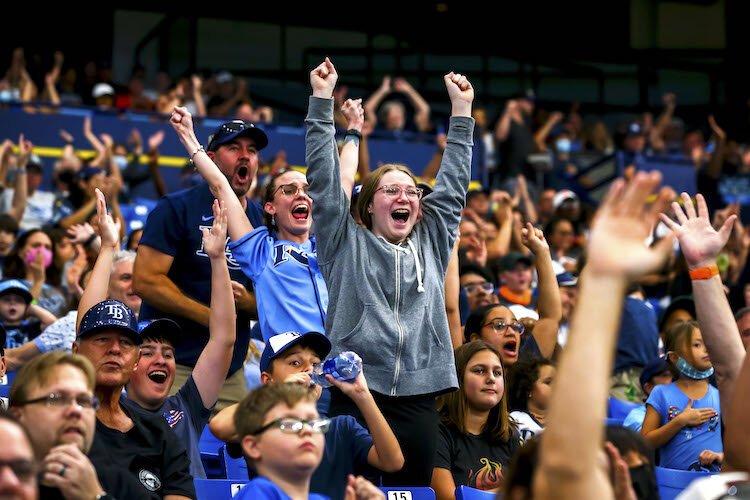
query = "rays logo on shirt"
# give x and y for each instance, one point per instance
(281, 253)
(173, 417)
(231, 262)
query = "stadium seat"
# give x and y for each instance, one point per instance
(235, 468)
(469, 493)
(671, 482)
(217, 489)
(619, 409)
(209, 446)
(614, 421)
(408, 493)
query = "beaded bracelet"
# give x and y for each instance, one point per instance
(197, 150)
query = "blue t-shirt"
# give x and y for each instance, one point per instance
(185, 415)
(19, 334)
(174, 228)
(261, 488)
(634, 420)
(289, 287)
(638, 338)
(681, 452)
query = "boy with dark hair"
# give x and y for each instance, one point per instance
(289, 357)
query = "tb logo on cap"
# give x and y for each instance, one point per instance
(115, 311)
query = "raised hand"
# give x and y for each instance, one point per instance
(354, 112)
(182, 123)
(155, 140)
(716, 129)
(461, 93)
(533, 239)
(80, 233)
(109, 231)
(699, 241)
(24, 150)
(624, 222)
(215, 240)
(323, 79)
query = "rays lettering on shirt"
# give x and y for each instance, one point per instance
(231, 262)
(281, 253)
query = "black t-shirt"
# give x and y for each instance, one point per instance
(111, 479)
(515, 149)
(473, 460)
(150, 451)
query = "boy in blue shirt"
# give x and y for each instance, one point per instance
(15, 307)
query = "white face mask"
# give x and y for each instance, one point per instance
(121, 161)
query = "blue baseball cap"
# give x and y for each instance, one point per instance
(566, 279)
(110, 315)
(283, 341)
(160, 329)
(652, 369)
(16, 286)
(230, 130)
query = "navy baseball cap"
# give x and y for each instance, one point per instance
(634, 129)
(566, 279)
(230, 130)
(513, 258)
(110, 315)
(160, 329)
(277, 344)
(653, 368)
(15, 286)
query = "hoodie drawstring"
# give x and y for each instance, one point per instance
(420, 286)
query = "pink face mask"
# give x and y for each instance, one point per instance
(46, 256)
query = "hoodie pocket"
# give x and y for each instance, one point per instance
(423, 347)
(374, 337)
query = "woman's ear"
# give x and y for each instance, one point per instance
(269, 208)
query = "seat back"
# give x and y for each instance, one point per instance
(408, 493)
(469, 493)
(209, 446)
(217, 489)
(671, 482)
(236, 468)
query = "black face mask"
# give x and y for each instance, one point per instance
(644, 482)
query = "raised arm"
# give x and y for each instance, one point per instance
(385, 453)
(98, 285)
(549, 305)
(701, 244)
(421, 108)
(737, 432)
(349, 156)
(213, 364)
(577, 408)
(503, 124)
(20, 191)
(182, 122)
(372, 102)
(154, 141)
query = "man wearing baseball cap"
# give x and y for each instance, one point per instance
(172, 272)
(107, 334)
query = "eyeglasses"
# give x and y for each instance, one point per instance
(499, 325)
(291, 189)
(295, 425)
(229, 128)
(58, 400)
(393, 191)
(24, 470)
(475, 287)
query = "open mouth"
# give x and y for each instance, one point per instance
(158, 376)
(400, 215)
(243, 173)
(300, 212)
(510, 347)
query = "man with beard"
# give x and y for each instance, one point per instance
(172, 272)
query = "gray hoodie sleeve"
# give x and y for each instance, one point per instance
(442, 208)
(330, 203)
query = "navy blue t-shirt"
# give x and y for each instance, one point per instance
(174, 228)
(638, 338)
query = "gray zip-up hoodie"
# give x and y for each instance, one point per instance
(387, 302)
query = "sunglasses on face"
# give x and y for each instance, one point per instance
(295, 425)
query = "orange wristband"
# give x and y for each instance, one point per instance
(704, 273)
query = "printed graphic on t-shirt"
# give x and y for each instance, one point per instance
(281, 253)
(231, 262)
(173, 417)
(487, 477)
(688, 430)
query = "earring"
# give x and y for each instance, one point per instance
(273, 220)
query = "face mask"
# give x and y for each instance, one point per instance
(644, 482)
(690, 372)
(46, 256)
(563, 145)
(121, 161)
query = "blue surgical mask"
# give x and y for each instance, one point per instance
(121, 161)
(690, 371)
(562, 145)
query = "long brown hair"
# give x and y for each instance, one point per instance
(371, 185)
(454, 405)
